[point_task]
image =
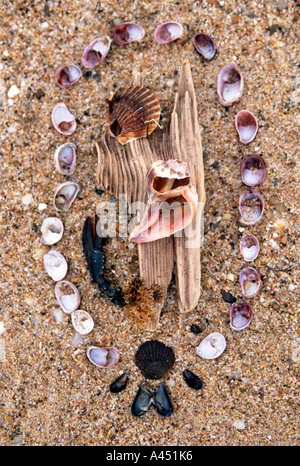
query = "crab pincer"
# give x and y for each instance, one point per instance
(93, 243)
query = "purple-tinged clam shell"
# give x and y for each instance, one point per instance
(253, 169)
(67, 296)
(67, 75)
(168, 32)
(246, 126)
(212, 346)
(65, 195)
(250, 282)
(251, 206)
(82, 321)
(96, 51)
(63, 121)
(52, 230)
(240, 315)
(103, 357)
(249, 247)
(65, 158)
(55, 265)
(230, 85)
(125, 33)
(205, 45)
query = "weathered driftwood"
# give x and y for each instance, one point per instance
(121, 170)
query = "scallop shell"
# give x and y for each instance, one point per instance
(168, 32)
(132, 113)
(154, 359)
(65, 195)
(96, 51)
(103, 357)
(172, 201)
(212, 346)
(52, 230)
(246, 126)
(55, 265)
(205, 45)
(82, 321)
(250, 282)
(249, 247)
(125, 33)
(240, 315)
(253, 169)
(69, 302)
(63, 121)
(67, 75)
(65, 158)
(230, 85)
(251, 206)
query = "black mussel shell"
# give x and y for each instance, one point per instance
(162, 402)
(119, 384)
(196, 329)
(142, 401)
(192, 380)
(154, 359)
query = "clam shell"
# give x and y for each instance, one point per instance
(253, 169)
(65, 195)
(212, 346)
(69, 302)
(67, 75)
(63, 121)
(65, 158)
(55, 265)
(249, 247)
(96, 51)
(230, 84)
(168, 32)
(82, 321)
(154, 359)
(132, 113)
(250, 282)
(103, 357)
(205, 45)
(240, 315)
(52, 230)
(251, 206)
(125, 33)
(246, 126)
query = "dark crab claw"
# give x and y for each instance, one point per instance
(93, 250)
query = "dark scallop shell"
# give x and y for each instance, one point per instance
(154, 359)
(132, 113)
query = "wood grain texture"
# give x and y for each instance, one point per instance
(121, 170)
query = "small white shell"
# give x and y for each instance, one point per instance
(65, 158)
(52, 230)
(55, 265)
(82, 321)
(103, 357)
(63, 121)
(65, 195)
(212, 346)
(69, 302)
(249, 247)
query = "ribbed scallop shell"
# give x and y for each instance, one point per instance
(132, 113)
(154, 359)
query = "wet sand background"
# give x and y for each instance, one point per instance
(50, 393)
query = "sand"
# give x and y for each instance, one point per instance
(50, 392)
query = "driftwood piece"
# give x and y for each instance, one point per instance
(121, 170)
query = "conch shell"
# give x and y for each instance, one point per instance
(172, 201)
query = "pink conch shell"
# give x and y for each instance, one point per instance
(172, 201)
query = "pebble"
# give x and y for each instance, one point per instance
(2, 328)
(27, 199)
(11, 129)
(281, 5)
(13, 91)
(42, 206)
(239, 424)
(59, 315)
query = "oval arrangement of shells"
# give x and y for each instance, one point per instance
(134, 113)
